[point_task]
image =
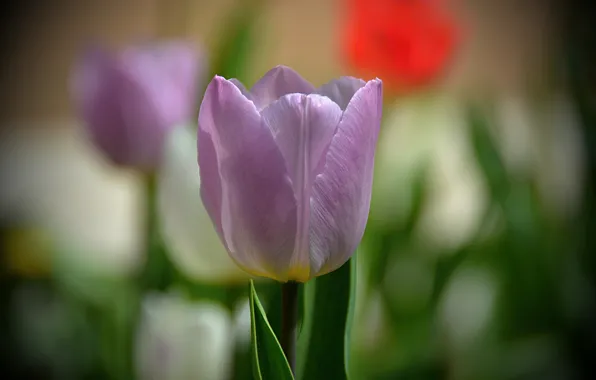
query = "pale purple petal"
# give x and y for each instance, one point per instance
(257, 210)
(303, 126)
(341, 90)
(276, 83)
(241, 87)
(341, 193)
(211, 192)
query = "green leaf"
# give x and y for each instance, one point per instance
(269, 361)
(420, 193)
(487, 154)
(323, 344)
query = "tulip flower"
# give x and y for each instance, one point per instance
(129, 101)
(286, 170)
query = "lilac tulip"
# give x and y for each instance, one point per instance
(130, 100)
(286, 170)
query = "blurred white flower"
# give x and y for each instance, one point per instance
(539, 140)
(191, 239)
(52, 179)
(242, 324)
(181, 340)
(467, 306)
(429, 133)
(543, 140)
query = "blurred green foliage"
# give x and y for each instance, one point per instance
(529, 277)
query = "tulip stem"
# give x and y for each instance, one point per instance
(289, 304)
(157, 271)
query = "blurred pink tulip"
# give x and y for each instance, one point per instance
(130, 100)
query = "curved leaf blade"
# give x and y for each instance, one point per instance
(269, 361)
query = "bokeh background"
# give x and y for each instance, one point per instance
(478, 258)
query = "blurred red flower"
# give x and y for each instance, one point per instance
(407, 43)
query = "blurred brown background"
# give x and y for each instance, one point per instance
(41, 39)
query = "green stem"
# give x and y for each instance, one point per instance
(156, 273)
(289, 299)
(152, 275)
(150, 211)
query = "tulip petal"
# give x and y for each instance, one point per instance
(303, 126)
(277, 82)
(210, 189)
(341, 90)
(193, 243)
(255, 208)
(241, 87)
(341, 193)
